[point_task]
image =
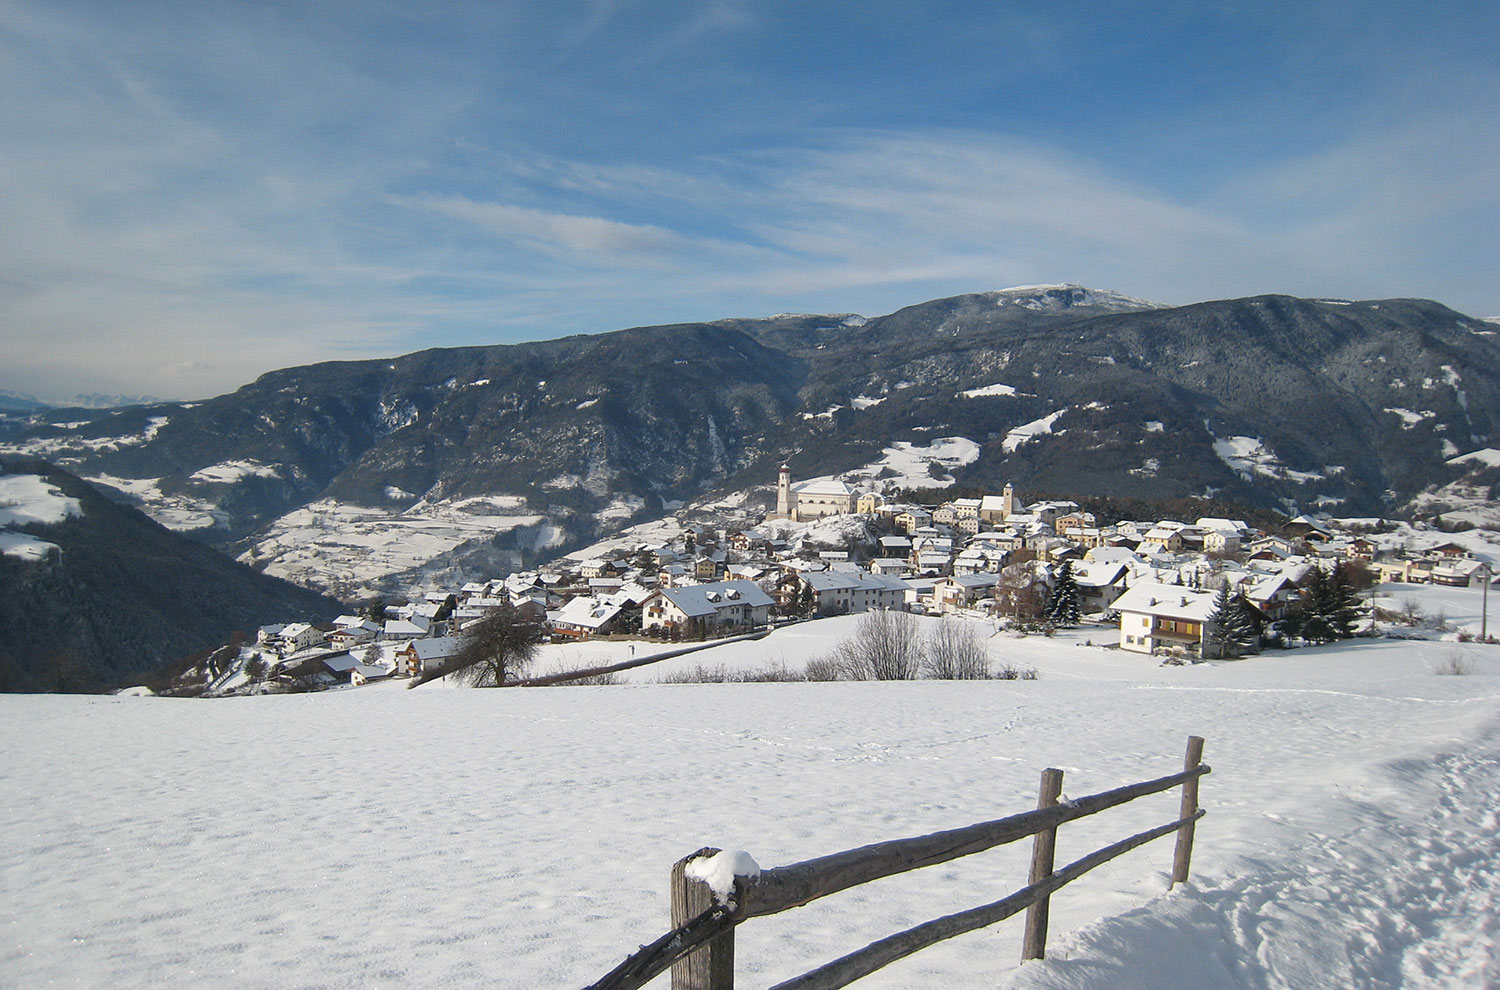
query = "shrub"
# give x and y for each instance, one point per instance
(955, 651)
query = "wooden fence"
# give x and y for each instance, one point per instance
(700, 948)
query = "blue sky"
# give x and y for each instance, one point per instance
(194, 193)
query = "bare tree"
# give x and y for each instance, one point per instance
(496, 649)
(885, 647)
(955, 651)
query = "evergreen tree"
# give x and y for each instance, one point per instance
(1253, 621)
(1229, 631)
(1216, 625)
(1062, 606)
(1329, 607)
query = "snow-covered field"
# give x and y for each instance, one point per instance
(351, 548)
(385, 837)
(26, 499)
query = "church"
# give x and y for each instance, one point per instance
(810, 499)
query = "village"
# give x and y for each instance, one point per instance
(1150, 584)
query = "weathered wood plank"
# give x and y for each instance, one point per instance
(801, 883)
(1034, 942)
(1183, 857)
(711, 966)
(856, 965)
(614, 668)
(655, 958)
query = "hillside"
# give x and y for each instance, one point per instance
(99, 593)
(492, 458)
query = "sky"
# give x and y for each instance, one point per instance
(194, 193)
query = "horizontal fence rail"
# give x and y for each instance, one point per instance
(701, 944)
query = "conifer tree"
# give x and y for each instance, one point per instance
(1062, 606)
(1229, 631)
(1217, 624)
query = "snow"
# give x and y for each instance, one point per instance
(989, 390)
(25, 500)
(230, 472)
(24, 545)
(350, 549)
(1250, 455)
(28, 498)
(1154, 426)
(720, 870)
(1487, 457)
(65, 449)
(524, 838)
(1410, 419)
(907, 465)
(180, 512)
(863, 402)
(1027, 432)
(1044, 297)
(587, 404)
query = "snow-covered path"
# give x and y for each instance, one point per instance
(384, 837)
(1395, 900)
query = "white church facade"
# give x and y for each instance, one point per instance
(811, 499)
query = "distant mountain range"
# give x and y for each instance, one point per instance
(11, 401)
(1356, 406)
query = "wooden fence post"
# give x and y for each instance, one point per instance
(712, 966)
(1184, 855)
(1044, 846)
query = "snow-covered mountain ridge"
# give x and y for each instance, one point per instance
(1352, 406)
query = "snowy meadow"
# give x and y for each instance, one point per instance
(522, 838)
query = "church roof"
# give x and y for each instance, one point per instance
(822, 486)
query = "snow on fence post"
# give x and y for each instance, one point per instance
(1044, 845)
(1184, 855)
(710, 967)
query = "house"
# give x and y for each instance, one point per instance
(1156, 615)
(979, 559)
(838, 592)
(351, 634)
(1451, 551)
(912, 520)
(1461, 573)
(1161, 539)
(706, 567)
(957, 592)
(869, 503)
(356, 672)
(1305, 527)
(416, 627)
(585, 616)
(895, 546)
(423, 656)
(705, 608)
(1099, 584)
(894, 566)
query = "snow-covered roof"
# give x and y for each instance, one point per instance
(1167, 600)
(822, 486)
(854, 581)
(587, 612)
(706, 599)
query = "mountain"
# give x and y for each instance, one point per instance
(100, 400)
(93, 593)
(359, 475)
(19, 402)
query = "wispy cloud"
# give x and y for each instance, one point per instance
(197, 195)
